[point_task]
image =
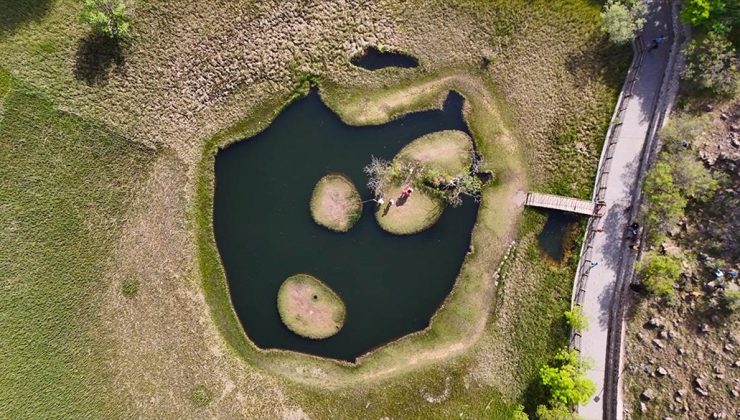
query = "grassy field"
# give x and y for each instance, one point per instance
(64, 184)
(109, 273)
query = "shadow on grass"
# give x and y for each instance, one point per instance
(535, 393)
(602, 60)
(97, 58)
(15, 13)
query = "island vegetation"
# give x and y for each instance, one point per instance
(428, 173)
(309, 308)
(335, 203)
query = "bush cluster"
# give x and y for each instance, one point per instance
(380, 172)
(711, 57)
(567, 384)
(659, 273)
(676, 178)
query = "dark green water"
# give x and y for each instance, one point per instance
(390, 284)
(553, 235)
(372, 59)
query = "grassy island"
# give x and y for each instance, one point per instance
(425, 164)
(335, 203)
(310, 308)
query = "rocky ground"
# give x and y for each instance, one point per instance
(683, 359)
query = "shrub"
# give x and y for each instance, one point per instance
(621, 22)
(731, 299)
(519, 413)
(577, 319)
(130, 287)
(107, 18)
(566, 380)
(200, 396)
(711, 65)
(558, 412)
(460, 186)
(682, 128)
(659, 273)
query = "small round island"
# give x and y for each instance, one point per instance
(309, 308)
(335, 203)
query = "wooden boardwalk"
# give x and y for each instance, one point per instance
(556, 202)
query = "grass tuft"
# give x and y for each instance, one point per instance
(201, 396)
(130, 287)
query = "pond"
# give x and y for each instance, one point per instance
(373, 59)
(391, 285)
(554, 235)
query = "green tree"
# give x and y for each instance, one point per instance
(107, 18)
(621, 22)
(659, 273)
(664, 201)
(566, 380)
(558, 412)
(577, 319)
(711, 65)
(717, 16)
(692, 178)
(696, 12)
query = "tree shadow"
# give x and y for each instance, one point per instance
(600, 59)
(15, 13)
(97, 58)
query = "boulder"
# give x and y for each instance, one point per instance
(661, 371)
(659, 343)
(654, 323)
(647, 394)
(701, 391)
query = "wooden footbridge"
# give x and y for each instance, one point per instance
(556, 202)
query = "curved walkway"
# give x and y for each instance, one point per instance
(603, 257)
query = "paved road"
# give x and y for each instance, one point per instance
(621, 183)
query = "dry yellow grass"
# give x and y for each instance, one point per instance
(408, 216)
